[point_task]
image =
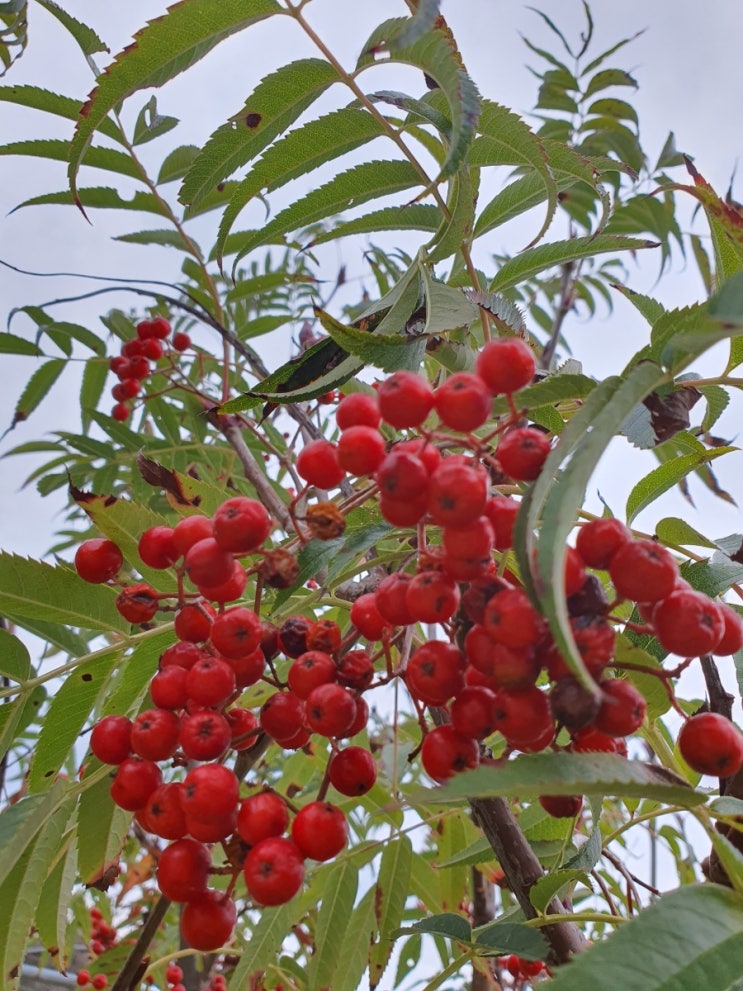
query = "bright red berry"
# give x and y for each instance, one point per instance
(352, 771)
(643, 570)
(445, 752)
(711, 744)
(157, 548)
(98, 560)
(361, 450)
(181, 341)
(111, 739)
(405, 399)
(463, 402)
(358, 409)
(274, 871)
(522, 452)
(506, 365)
(598, 541)
(320, 831)
(208, 921)
(241, 525)
(688, 623)
(317, 463)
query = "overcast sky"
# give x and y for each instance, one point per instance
(686, 61)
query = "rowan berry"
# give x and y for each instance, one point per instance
(241, 525)
(157, 548)
(711, 744)
(181, 341)
(236, 632)
(154, 734)
(643, 570)
(261, 816)
(598, 541)
(320, 831)
(352, 771)
(111, 739)
(193, 623)
(561, 806)
(208, 564)
(98, 560)
(137, 603)
(506, 365)
(688, 623)
(435, 672)
(358, 409)
(274, 871)
(463, 402)
(317, 463)
(522, 452)
(445, 752)
(622, 708)
(208, 921)
(405, 399)
(361, 450)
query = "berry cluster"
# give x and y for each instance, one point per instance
(497, 669)
(174, 977)
(135, 361)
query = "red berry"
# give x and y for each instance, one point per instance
(99, 982)
(190, 530)
(152, 349)
(458, 492)
(598, 541)
(134, 783)
(358, 409)
(366, 617)
(244, 726)
(249, 668)
(208, 564)
(173, 973)
(168, 688)
(391, 596)
(320, 831)
(355, 670)
(98, 560)
(181, 341)
(111, 739)
(405, 399)
(445, 752)
(145, 330)
(210, 791)
(522, 452)
(282, 715)
(561, 807)
(402, 512)
(622, 708)
(732, 637)
(83, 978)
(204, 735)
(512, 620)
(317, 463)
(193, 622)
(361, 450)
(435, 672)
(274, 871)
(352, 771)
(473, 540)
(132, 348)
(463, 402)
(183, 870)
(711, 744)
(643, 570)
(688, 623)
(402, 475)
(163, 813)
(228, 591)
(236, 632)
(157, 548)
(137, 603)
(473, 712)
(506, 365)
(309, 670)
(241, 525)
(182, 654)
(330, 710)
(432, 597)
(261, 816)
(155, 734)
(524, 717)
(208, 921)
(210, 682)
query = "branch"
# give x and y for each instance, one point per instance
(133, 970)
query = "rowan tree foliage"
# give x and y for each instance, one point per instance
(341, 683)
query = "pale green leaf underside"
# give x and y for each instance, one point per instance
(667, 475)
(565, 774)
(275, 103)
(167, 46)
(358, 185)
(302, 150)
(689, 939)
(56, 594)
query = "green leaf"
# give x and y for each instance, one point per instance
(356, 941)
(271, 108)
(56, 594)
(390, 895)
(150, 124)
(414, 216)
(423, 20)
(302, 150)
(54, 901)
(446, 924)
(18, 715)
(37, 98)
(447, 307)
(715, 576)
(10, 344)
(58, 150)
(534, 260)
(609, 77)
(99, 198)
(101, 830)
(20, 892)
(565, 774)
(512, 937)
(690, 935)
(21, 822)
(177, 163)
(68, 712)
(551, 885)
(84, 35)
(334, 916)
(15, 662)
(93, 383)
(436, 54)
(650, 308)
(358, 185)
(554, 499)
(166, 238)
(454, 229)
(672, 530)
(665, 477)
(264, 943)
(167, 46)
(37, 388)
(506, 140)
